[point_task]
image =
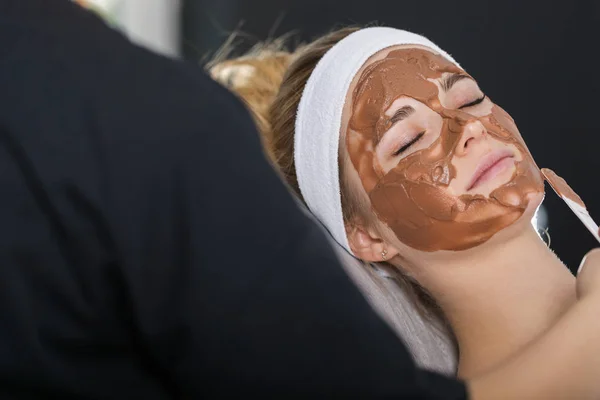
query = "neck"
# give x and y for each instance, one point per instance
(500, 298)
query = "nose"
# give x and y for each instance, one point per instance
(473, 132)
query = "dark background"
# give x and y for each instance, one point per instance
(538, 60)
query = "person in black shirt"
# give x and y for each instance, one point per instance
(138, 262)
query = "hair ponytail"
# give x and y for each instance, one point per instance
(256, 78)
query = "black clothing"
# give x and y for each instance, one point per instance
(147, 250)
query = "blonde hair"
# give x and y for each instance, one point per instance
(270, 79)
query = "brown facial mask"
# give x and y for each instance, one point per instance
(412, 198)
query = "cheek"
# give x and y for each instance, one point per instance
(364, 159)
(500, 124)
(413, 211)
(411, 203)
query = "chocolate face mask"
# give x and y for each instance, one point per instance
(412, 198)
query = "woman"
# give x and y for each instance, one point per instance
(407, 163)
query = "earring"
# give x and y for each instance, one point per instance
(384, 254)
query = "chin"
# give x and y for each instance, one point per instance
(524, 222)
(535, 201)
(521, 225)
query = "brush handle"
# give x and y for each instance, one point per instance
(584, 216)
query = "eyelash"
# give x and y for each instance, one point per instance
(407, 145)
(473, 103)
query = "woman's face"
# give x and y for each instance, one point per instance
(443, 166)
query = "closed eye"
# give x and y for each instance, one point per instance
(407, 145)
(473, 103)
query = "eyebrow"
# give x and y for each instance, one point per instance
(450, 80)
(402, 113)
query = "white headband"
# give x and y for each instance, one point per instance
(319, 119)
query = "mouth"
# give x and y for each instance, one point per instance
(490, 166)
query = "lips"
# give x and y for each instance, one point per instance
(486, 167)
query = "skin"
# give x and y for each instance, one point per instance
(467, 282)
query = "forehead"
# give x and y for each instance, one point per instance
(382, 54)
(374, 63)
(402, 71)
(375, 58)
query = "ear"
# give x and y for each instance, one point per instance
(368, 246)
